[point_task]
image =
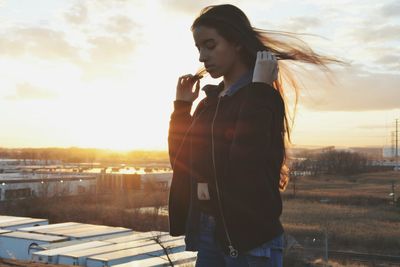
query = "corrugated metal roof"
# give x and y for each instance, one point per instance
(126, 253)
(4, 219)
(21, 222)
(136, 236)
(43, 228)
(180, 257)
(108, 248)
(33, 236)
(3, 231)
(76, 247)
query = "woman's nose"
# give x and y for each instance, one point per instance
(202, 56)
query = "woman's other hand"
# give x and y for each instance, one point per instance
(266, 68)
(184, 88)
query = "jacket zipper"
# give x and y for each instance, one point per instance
(232, 251)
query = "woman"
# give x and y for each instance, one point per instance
(228, 157)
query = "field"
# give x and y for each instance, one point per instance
(355, 213)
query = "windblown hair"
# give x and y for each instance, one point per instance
(232, 24)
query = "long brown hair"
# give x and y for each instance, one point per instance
(232, 24)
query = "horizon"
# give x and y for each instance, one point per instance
(295, 146)
(103, 74)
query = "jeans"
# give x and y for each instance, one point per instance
(210, 255)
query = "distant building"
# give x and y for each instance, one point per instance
(18, 185)
(390, 152)
(111, 182)
(23, 180)
(118, 182)
(162, 181)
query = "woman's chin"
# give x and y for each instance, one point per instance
(214, 74)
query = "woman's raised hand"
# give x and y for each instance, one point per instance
(184, 88)
(266, 68)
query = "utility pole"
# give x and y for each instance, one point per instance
(294, 186)
(393, 194)
(392, 144)
(326, 259)
(397, 144)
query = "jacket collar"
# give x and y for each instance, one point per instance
(214, 90)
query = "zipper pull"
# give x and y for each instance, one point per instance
(233, 252)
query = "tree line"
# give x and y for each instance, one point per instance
(88, 155)
(335, 162)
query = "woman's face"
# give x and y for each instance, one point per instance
(218, 55)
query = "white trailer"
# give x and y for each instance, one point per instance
(42, 229)
(3, 231)
(79, 230)
(79, 257)
(177, 259)
(51, 256)
(18, 245)
(137, 236)
(117, 243)
(139, 253)
(75, 242)
(100, 232)
(14, 223)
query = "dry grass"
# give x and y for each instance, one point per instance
(358, 215)
(118, 209)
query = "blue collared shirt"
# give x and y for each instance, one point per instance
(243, 81)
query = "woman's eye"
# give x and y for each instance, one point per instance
(210, 45)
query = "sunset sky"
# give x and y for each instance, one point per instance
(102, 73)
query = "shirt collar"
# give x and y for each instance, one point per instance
(243, 81)
(214, 90)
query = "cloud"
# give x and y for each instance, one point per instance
(108, 49)
(189, 7)
(376, 33)
(40, 42)
(106, 56)
(101, 51)
(372, 126)
(26, 91)
(354, 90)
(390, 60)
(301, 24)
(194, 7)
(77, 14)
(121, 24)
(391, 9)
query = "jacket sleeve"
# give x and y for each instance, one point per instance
(179, 123)
(179, 195)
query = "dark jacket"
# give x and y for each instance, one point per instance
(249, 140)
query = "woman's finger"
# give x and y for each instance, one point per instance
(197, 88)
(179, 81)
(259, 55)
(270, 56)
(265, 55)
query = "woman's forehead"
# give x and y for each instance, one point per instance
(202, 34)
